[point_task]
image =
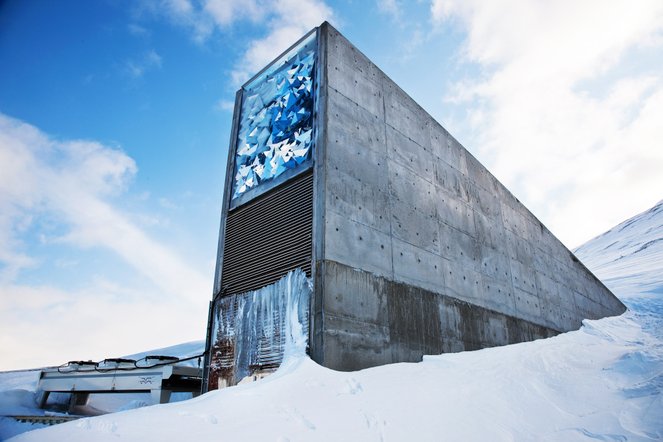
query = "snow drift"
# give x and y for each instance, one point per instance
(602, 382)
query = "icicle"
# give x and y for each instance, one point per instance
(298, 293)
(261, 328)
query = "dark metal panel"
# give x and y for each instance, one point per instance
(268, 237)
(270, 266)
(230, 166)
(227, 189)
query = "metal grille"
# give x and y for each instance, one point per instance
(268, 237)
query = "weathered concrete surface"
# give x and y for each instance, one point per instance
(371, 320)
(447, 258)
(417, 248)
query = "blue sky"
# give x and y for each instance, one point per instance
(114, 127)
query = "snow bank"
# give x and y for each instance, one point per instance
(601, 382)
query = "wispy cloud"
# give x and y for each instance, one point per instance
(288, 21)
(73, 184)
(390, 7)
(559, 113)
(279, 24)
(226, 12)
(137, 67)
(202, 19)
(137, 30)
(180, 12)
(224, 105)
(43, 325)
(167, 204)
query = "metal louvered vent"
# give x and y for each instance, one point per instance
(269, 236)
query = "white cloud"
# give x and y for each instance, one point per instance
(281, 23)
(183, 13)
(225, 12)
(559, 114)
(73, 184)
(203, 17)
(390, 7)
(225, 105)
(137, 30)
(45, 326)
(288, 21)
(167, 204)
(149, 60)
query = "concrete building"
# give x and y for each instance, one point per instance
(409, 244)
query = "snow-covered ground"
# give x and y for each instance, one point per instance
(602, 382)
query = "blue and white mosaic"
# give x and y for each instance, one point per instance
(276, 120)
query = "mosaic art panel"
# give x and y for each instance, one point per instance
(276, 121)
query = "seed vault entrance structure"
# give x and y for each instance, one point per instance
(344, 196)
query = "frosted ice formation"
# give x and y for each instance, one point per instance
(276, 120)
(253, 331)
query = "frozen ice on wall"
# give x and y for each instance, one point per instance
(276, 119)
(253, 331)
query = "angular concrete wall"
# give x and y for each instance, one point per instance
(419, 249)
(414, 247)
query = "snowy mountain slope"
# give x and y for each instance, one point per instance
(629, 257)
(602, 382)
